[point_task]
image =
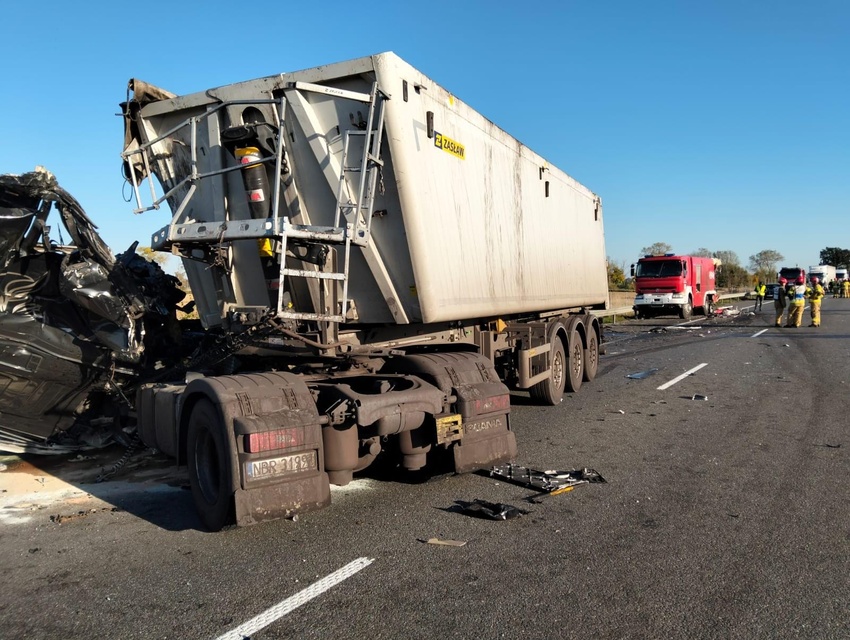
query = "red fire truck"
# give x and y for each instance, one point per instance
(674, 284)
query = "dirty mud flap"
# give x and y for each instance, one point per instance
(282, 500)
(487, 437)
(487, 440)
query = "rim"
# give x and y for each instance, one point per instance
(577, 354)
(558, 369)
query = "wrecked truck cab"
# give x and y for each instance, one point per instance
(78, 327)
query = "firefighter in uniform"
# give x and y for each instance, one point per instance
(797, 302)
(815, 293)
(779, 299)
(845, 288)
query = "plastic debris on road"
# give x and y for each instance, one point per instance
(444, 543)
(641, 374)
(488, 510)
(698, 396)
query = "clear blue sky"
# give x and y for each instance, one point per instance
(722, 124)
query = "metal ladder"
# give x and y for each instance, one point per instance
(352, 219)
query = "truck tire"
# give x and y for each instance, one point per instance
(575, 361)
(209, 467)
(551, 390)
(686, 309)
(708, 307)
(591, 356)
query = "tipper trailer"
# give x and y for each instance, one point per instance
(374, 266)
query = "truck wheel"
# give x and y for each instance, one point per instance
(591, 356)
(551, 390)
(209, 467)
(708, 307)
(575, 361)
(686, 309)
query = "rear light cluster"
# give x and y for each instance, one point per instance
(274, 440)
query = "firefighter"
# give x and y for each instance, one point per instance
(760, 289)
(845, 288)
(796, 303)
(815, 293)
(779, 300)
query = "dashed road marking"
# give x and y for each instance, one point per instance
(667, 385)
(252, 626)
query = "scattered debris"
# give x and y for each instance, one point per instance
(698, 396)
(620, 411)
(642, 374)
(59, 519)
(546, 481)
(444, 543)
(488, 510)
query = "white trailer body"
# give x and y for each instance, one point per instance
(471, 222)
(824, 272)
(380, 247)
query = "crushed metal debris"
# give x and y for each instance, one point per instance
(545, 481)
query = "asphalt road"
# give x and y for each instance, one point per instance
(725, 515)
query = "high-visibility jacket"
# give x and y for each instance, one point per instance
(797, 295)
(761, 290)
(815, 293)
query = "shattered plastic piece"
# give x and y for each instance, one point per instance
(489, 510)
(620, 411)
(698, 396)
(445, 543)
(642, 374)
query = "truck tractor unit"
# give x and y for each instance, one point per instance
(375, 266)
(825, 273)
(672, 284)
(792, 274)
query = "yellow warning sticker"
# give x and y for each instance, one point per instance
(451, 146)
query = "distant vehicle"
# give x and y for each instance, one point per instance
(791, 274)
(824, 272)
(677, 284)
(769, 289)
(840, 273)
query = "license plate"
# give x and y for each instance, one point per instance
(281, 465)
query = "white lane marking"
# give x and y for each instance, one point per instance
(247, 629)
(682, 377)
(756, 335)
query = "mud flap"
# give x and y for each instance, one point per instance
(474, 453)
(282, 500)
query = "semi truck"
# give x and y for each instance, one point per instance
(674, 284)
(825, 273)
(374, 267)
